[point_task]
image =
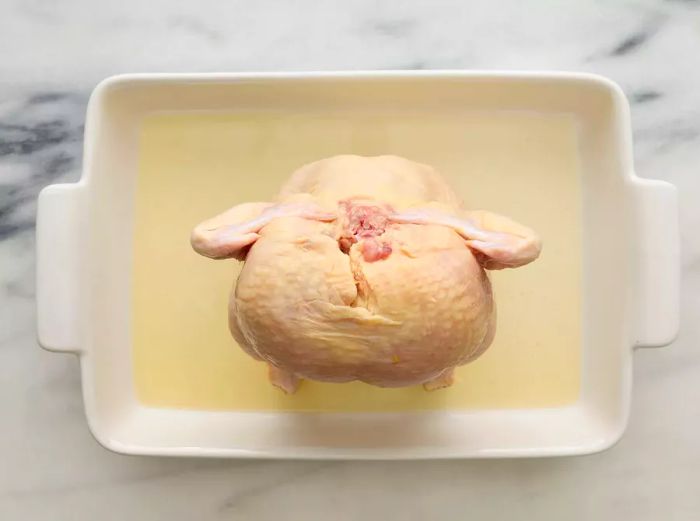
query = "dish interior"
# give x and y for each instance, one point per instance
(192, 165)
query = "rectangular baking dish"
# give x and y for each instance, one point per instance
(630, 271)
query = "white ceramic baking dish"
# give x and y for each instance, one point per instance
(630, 271)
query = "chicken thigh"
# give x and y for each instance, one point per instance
(365, 268)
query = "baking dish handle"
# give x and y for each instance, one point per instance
(59, 251)
(657, 301)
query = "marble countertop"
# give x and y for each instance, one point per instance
(53, 53)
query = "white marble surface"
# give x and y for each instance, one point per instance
(53, 53)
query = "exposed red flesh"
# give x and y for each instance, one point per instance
(373, 250)
(365, 223)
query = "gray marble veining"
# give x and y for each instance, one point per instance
(53, 53)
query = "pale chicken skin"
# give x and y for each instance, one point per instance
(366, 268)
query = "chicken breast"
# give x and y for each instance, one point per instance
(365, 268)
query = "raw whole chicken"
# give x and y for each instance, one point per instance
(366, 268)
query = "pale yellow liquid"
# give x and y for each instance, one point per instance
(195, 165)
